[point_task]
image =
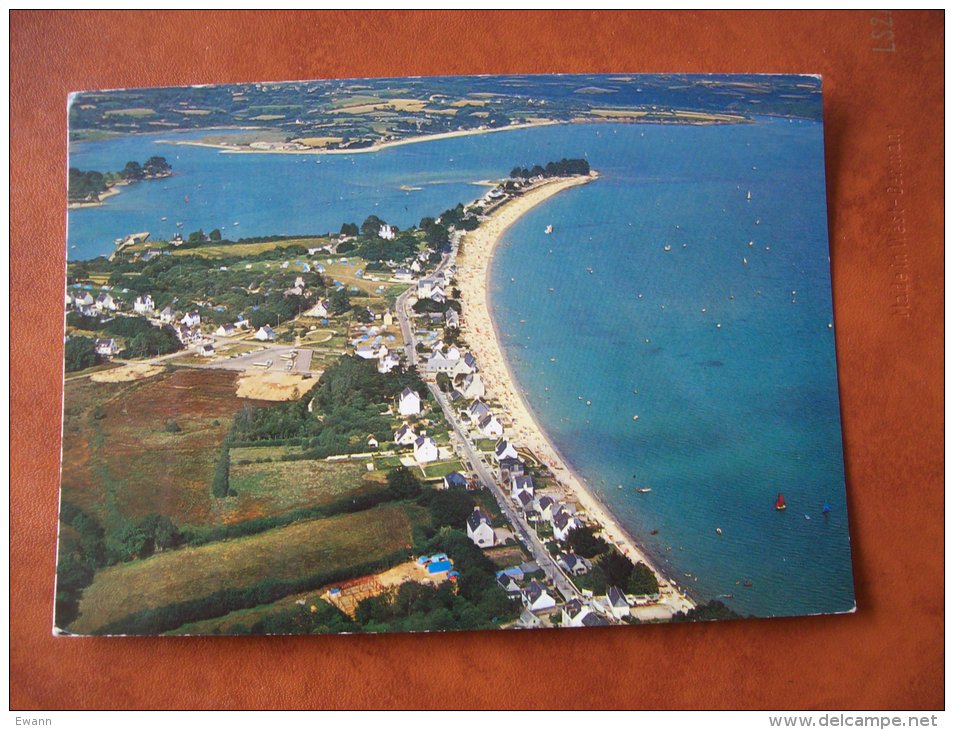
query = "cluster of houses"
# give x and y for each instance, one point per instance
(424, 447)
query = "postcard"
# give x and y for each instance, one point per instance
(450, 353)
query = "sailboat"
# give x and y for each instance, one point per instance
(780, 502)
(748, 195)
(826, 508)
(548, 229)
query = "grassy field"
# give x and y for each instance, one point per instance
(246, 249)
(124, 465)
(280, 486)
(285, 553)
(441, 469)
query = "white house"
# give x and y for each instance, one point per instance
(478, 409)
(466, 365)
(452, 318)
(472, 386)
(144, 305)
(425, 450)
(409, 403)
(442, 362)
(372, 442)
(105, 302)
(479, 528)
(536, 598)
(617, 602)
(106, 348)
(388, 318)
(563, 522)
(207, 350)
(404, 436)
(544, 504)
(167, 315)
(265, 334)
(490, 427)
(226, 330)
(371, 352)
(322, 308)
(574, 612)
(84, 299)
(386, 232)
(574, 564)
(390, 361)
(504, 449)
(521, 484)
(192, 319)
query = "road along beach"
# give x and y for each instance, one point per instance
(479, 331)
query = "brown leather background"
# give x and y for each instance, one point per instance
(887, 655)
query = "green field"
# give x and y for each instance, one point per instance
(284, 485)
(286, 553)
(441, 469)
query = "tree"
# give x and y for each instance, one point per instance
(642, 581)
(403, 484)
(215, 235)
(616, 568)
(340, 301)
(197, 236)
(220, 478)
(583, 542)
(132, 171)
(80, 353)
(444, 382)
(372, 224)
(451, 508)
(156, 166)
(349, 229)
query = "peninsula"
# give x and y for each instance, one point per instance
(480, 332)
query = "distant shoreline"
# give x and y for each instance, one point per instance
(377, 147)
(481, 334)
(676, 117)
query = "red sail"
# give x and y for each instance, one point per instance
(780, 502)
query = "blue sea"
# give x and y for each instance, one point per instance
(677, 297)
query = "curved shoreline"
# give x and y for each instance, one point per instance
(481, 333)
(376, 147)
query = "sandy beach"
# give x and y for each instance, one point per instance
(479, 331)
(244, 150)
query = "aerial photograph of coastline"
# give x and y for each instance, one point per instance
(449, 353)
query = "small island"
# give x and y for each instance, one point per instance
(90, 187)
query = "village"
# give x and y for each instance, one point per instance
(555, 562)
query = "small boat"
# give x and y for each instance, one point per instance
(744, 260)
(548, 229)
(667, 247)
(826, 508)
(718, 531)
(780, 502)
(807, 517)
(179, 224)
(186, 199)
(644, 490)
(747, 583)
(636, 417)
(164, 218)
(654, 532)
(748, 195)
